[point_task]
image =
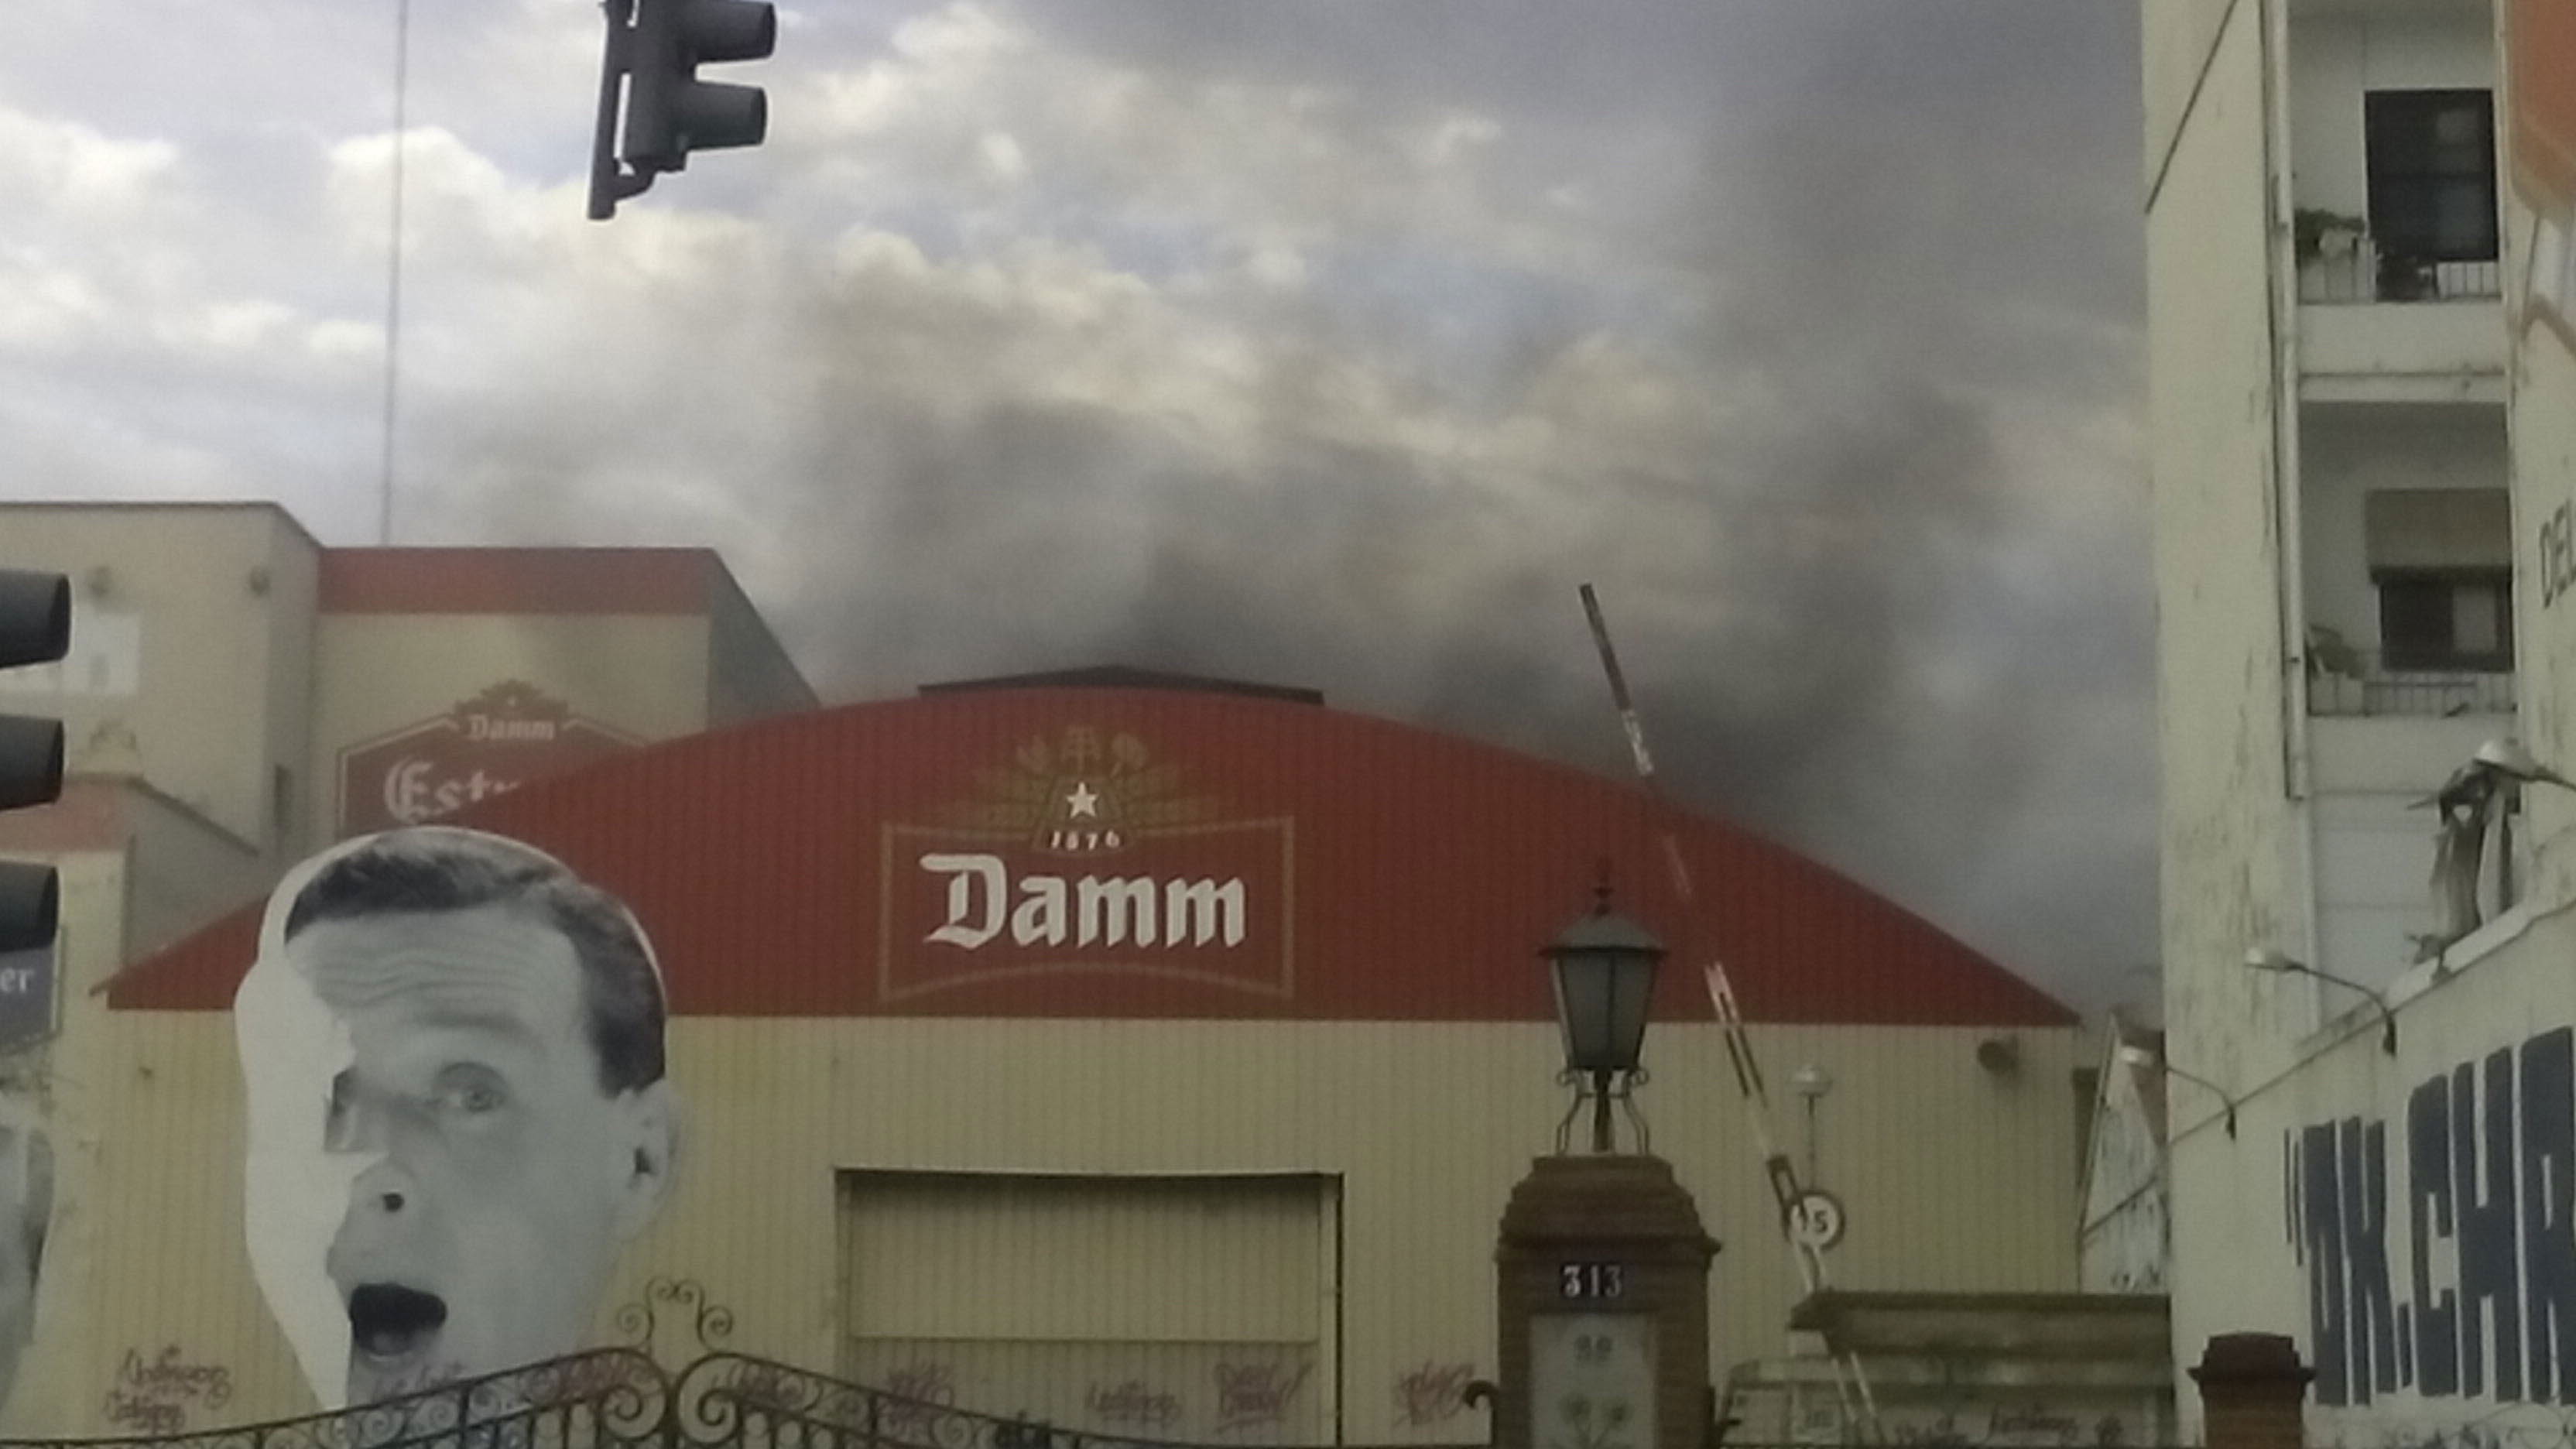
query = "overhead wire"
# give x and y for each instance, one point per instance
(394, 277)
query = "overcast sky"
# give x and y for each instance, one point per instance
(1331, 344)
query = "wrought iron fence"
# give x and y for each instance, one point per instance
(606, 1399)
(622, 1398)
(1938, 1440)
(619, 1398)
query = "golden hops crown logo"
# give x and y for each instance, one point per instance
(1081, 794)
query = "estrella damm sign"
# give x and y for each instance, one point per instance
(1086, 854)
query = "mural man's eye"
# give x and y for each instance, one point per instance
(471, 1092)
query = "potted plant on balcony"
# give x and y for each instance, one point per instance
(2326, 246)
(2312, 228)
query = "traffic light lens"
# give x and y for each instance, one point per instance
(35, 628)
(713, 116)
(31, 761)
(730, 29)
(30, 901)
(37, 610)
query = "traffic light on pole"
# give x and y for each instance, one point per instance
(35, 628)
(657, 47)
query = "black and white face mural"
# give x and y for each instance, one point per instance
(453, 1054)
(26, 1204)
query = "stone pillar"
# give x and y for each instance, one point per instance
(2252, 1390)
(1602, 1295)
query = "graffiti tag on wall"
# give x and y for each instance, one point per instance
(2458, 1279)
(153, 1396)
(1133, 1402)
(921, 1391)
(2033, 1425)
(1988, 1421)
(1256, 1393)
(2546, 1428)
(1433, 1393)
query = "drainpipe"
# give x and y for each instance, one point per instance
(2288, 525)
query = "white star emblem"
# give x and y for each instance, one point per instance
(1083, 801)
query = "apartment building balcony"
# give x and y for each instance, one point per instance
(2406, 563)
(2358, 270)
(2381, 741)
(2394, 225)
(2381, 326)
(2346, 683)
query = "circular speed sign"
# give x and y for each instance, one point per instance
(1816, 1219)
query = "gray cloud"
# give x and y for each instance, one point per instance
(1333, 346)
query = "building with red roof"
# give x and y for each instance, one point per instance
(1149, 1055)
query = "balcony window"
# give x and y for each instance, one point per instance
(2442, 561)
(2432, 165)
(2439, 563)
(2446, 619)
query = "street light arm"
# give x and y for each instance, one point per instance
(2205, 1084)
(2387, 1018)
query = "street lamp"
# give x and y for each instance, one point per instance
(2280, 965)
(1603, 971)
(2134, 1055)
(1811, 1082)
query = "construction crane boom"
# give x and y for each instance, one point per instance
(1788, 1195)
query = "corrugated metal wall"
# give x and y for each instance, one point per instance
(1955, 1177)
(1182, 1307)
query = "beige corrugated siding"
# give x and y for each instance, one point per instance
(1196, 1307)
(1955, 1179)
(1010, 1256)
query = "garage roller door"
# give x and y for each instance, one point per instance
(1197, 1308)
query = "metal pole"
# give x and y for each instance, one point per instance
(1600, 1111)
(393, 276)
(1813, 1176)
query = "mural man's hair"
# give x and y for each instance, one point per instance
(28, 1158)
(453, 870)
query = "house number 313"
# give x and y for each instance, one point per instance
(1592, 1280)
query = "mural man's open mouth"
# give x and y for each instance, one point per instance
(392, 1326)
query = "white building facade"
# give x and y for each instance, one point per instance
(2363, 444)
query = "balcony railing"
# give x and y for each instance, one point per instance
(2346, 681)
(2350, 268)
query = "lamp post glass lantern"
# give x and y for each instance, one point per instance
(1603, 970)
(1812, 1082)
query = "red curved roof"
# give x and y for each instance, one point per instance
(1317, 865)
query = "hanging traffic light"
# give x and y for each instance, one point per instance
(35, 628)
(656, 46)
(669, 111)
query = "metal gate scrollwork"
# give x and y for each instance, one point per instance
(622, 1398)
